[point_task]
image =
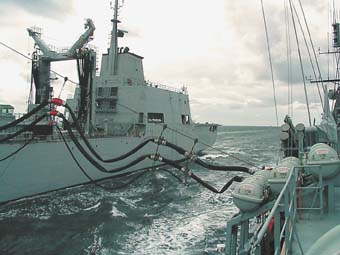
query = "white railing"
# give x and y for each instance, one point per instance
(183, 90)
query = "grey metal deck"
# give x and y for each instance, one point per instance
(311, 225)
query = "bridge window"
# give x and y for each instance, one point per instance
(113, 91)
(7, 110)
(112, 104)
(141, 117)
(185, 119)
(155, 117)
(100, 91)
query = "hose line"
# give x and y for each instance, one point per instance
(93, 151)
(16, 151)
(93, 161)
(26, 116)
(24, 129)
(137, 175)
(199, 180)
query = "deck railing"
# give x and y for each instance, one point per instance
(285, 207)
(275, 221)
(244, 237)
(183, 90)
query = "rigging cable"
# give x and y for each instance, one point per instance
(309, 54)
(23, 55)
(12, 49)
(16, 151)
(270, 61)
(271, 70)
(312, 44)
(62, 87)
(301, 65)
(289, 60)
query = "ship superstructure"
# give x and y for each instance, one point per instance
(113, 113)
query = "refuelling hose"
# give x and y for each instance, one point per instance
(93, 161)
(136, 175)
(26, 116)
(24, 129)
(200, 162)
(159, 141)
(141, 172)
(198, 179)
(93, 151)
(16, 151)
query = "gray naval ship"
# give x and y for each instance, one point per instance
(123, 119)
(294, 207)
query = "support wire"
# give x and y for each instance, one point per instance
(270, 61)
(301, 65)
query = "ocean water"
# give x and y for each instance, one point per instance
(155, 215)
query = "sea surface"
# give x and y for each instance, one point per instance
(155, 215)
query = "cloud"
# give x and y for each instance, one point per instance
(218, 50)
(48, 8)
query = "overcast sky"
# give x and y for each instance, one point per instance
(215, 48)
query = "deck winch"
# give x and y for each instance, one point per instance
(326, 157)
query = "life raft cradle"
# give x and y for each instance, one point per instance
(243, 237)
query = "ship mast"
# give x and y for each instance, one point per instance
(113, 54)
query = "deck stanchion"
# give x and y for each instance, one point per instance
(330, 197)
(320, 192)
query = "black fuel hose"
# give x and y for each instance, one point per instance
(136, 173)
(223, 168)
(27, 115)
(16, 151)
(199, 180)
(200, 162)
(94, 152)
(177, 148)
(93, 161)
(24, 129)
(173, 163)
(211, 188)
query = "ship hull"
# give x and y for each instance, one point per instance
(45, 166)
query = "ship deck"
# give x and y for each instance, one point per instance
(312, 225)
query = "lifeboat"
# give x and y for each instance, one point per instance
(326, 158)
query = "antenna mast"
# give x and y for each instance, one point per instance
(113, 54)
